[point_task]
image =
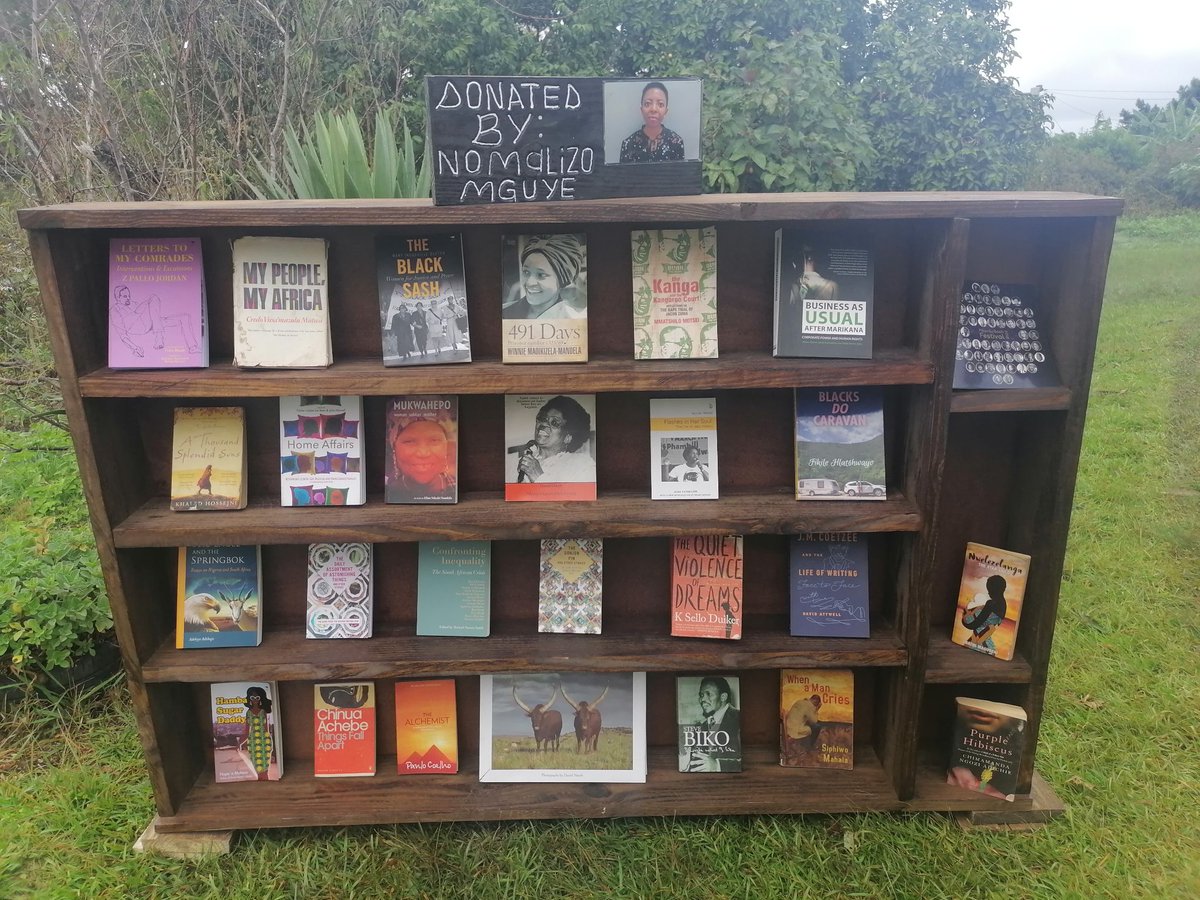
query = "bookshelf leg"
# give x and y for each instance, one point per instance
(183, 845)
(1046, 806)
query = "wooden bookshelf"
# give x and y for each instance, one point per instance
(996, 467)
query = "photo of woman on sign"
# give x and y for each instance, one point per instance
(654, 141)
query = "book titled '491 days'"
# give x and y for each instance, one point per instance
(157, 305)
(281, 303)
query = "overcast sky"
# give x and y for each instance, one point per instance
(1097, 56)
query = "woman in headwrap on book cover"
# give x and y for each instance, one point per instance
(552, 281)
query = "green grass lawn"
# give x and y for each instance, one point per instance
(1119, 739)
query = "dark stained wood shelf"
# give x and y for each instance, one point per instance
(1015, 400)
(764, 787)
(371, 378)
(948, 663)
(487, 516)
(289, 656)
(1005, 480)
(816, 206)
(933, 794)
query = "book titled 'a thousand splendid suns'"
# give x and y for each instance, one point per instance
(208, 458)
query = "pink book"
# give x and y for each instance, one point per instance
(156, 304)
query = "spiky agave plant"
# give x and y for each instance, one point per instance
(331, 161)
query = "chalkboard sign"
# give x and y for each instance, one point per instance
(517, 140)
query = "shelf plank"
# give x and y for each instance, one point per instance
(1015, 400)
(932, 794)
(637, 647)
(372, 378)
(948, 663)
(487, 516)
(724, 208)
(299, 799)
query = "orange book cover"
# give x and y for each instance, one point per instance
(706, 586)
(816, 718)
(426, 727)
(990, 599)
(344, 729)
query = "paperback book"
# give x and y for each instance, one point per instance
(985, 754)
(158, 313)
(829, 596)
(991, 596)
(426, 727)
(340, 591)
(281, 303)
(1000, 339)
(816, 718)
(421, 458)
(208, 458)
(706, 586)
(344, 729)
(545, 300)
(550, 447)
(675, 293)
(708, 715)
(839, 444)
(569, 586)
(247, 732)
(824, 298)
(423, 300)
(321, 451)
(683, 449)
(219, 597)
(454, 588)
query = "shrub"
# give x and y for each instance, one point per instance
(53, 604)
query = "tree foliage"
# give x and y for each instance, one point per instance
(179, 98)
(1151, 157)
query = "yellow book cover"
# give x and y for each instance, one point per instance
(990, 599)
(208, 458)
(816, 718)
(426, 727)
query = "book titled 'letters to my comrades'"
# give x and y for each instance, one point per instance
(708, 714)
(340, 591)
(219, 597)
(247, 732)
(423, 300)
(839, 444)
(569, 586)
(990, 599)
(454, 588)
(426, 727)
(706, 586)
(985, 754)
(816, 718)
(824, 298)
(281, 303)
(344, 729)
(321, 451)
(675, 293)
(157, 307)
(208, 458)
